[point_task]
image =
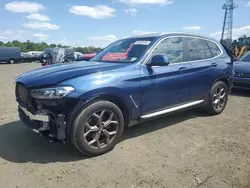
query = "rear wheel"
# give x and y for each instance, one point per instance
(11, 61)
(97, 128)
(218, 98)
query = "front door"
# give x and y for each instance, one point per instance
(165, 86)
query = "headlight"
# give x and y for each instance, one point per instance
(52, 93)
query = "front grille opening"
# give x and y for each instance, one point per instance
(21, 93)
(24, 98)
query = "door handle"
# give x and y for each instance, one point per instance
(182, 69)
(214, 64)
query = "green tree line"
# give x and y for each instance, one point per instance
(32, 46)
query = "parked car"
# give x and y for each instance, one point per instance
(10, 55)
(42, 58)
(77, 55)
(35, 52)
(242, 72)
(69, 54)
(26, 57)
(91, 103)
(62, 55)
(35, 55)
(56, 55)
(45, 58)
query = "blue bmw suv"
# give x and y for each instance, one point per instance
(133, 79)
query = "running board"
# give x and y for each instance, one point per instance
(171, 109)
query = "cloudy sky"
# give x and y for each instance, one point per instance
(99, 22)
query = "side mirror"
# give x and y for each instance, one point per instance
(159, 60)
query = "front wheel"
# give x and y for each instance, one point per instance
(97, 128)
(218, 98)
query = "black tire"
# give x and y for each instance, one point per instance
(212, 106)
(11, 61)
(79, 128)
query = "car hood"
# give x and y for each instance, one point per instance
(242, 67)
(53, 74)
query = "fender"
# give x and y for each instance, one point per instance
(131, 102)
(111, 93)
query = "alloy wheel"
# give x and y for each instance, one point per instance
(219, 98)
(100, 129)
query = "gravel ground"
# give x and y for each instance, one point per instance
(188, 149)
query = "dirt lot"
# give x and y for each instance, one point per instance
(189, 149)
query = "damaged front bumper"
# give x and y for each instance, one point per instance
(45, 123)
(37, 117)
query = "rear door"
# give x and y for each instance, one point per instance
(203, 66)
(165, 86)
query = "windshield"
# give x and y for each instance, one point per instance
(245, 57)
(125, 51)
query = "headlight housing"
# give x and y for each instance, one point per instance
(52, 93)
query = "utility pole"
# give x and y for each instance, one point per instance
(226, 36)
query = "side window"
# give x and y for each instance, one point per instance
(173, 48)
(214, 48)
(196, 50)
(207, 50)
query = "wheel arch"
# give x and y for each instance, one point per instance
(225, 80)
(209, 107)
(222, 79)
(117, 101)
(10, 59)
(108, 97)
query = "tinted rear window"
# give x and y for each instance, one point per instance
(208, 53)
(215, 50)
(196, 50)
